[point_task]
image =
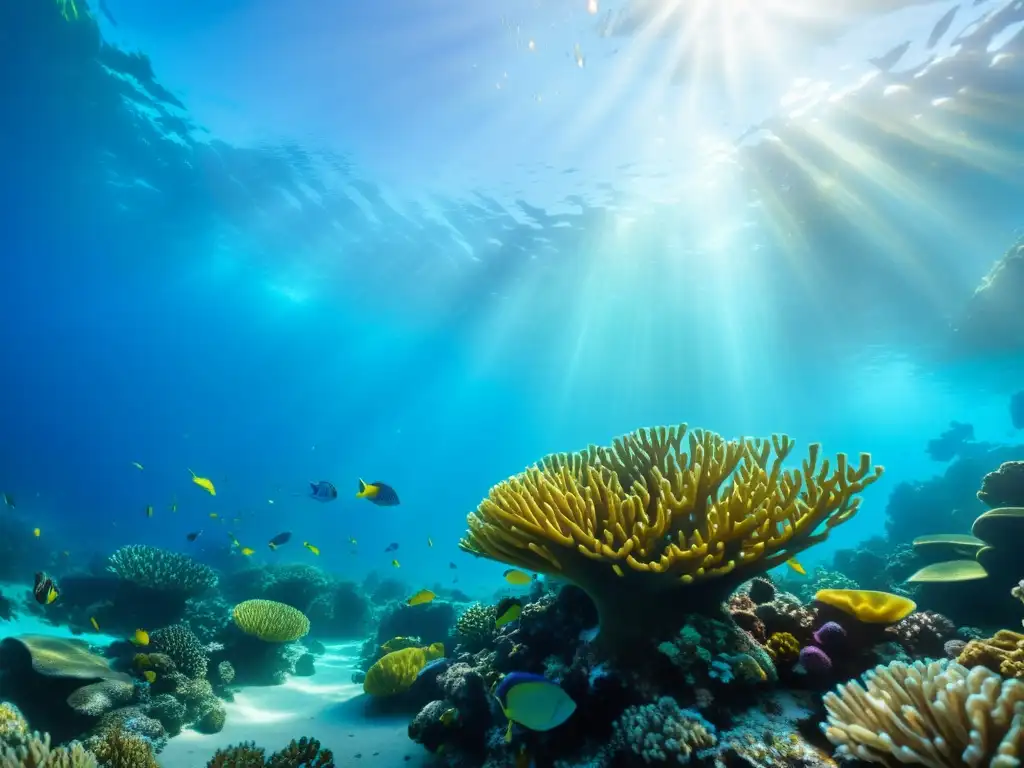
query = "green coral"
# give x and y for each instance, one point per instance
(476, 626)
(663, 733)
(35, 752)
(269, 621)
(161, 570)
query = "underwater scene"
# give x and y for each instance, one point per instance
(512, 384)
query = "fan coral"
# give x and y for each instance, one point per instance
(181, 645)
(269, 621)
(1003, 653)
(635, 523)
(663, 732)
(35, 752)
(475, 627)
(935, 715)
(783, 647)
(162, 570)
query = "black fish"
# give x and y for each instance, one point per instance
(391, 547)
(45, 590)
(381, 494)
(323, 491)
(452, 565)
(281, 538)
(194, 535)
(941, 27)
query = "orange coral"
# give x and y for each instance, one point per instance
(1002, 653)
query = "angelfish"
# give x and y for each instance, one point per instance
(533, 701)
(381, 494)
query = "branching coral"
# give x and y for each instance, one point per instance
(475, 627)
(303, 753)
(636, 523)
(35, 752)
(937, 715)
(181, 645)
(120, 749)
(161, 570)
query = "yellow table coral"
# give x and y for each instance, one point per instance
(665, 521)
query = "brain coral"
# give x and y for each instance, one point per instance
(159, 569)
(649, 528)
(269, 621)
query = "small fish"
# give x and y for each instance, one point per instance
(517, 578)
(214, 515)
(795, 565)
(205, 483)
(381, 494)
(141, 637)
(137, 466)
(322, 491)
(507, 611)
(45, 590)
(174, 504)
(36, 532)
(65, 553)
(150, 676)
(9, 500)
(391, 547)
(194, 535)
(395, 564)
(149, 511)
(248, 551)
(449, 716)
(314, 549)
(453, 566)
(532, 701)
(234, 541)
(421, 598)
(270, 501)
(281, 538)
(95, 624)
(352, 540)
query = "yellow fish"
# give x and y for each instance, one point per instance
(137, 465)
(247, 551)
(141, 637)
(314, 549)
(792, 563)
(518, 578)
(509, 615)
(430, 542)
(36, 532)
(95, 624)
(421, 597)
(205, 483)
(396, 564)
(149, 511)
(214, 515)
(352, 540)
(150, 676)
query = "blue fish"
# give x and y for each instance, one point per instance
(323, 491)
(533, 701)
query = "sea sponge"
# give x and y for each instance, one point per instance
(161, 570)
(1002, 653)
(269, 621)
(868, 606)
(397, 671)
(635, 523)
(936, 715)
(35, 752)
(181, 645)
(663, 732)
(783, 647)
(831, 636)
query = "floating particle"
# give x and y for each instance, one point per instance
(591, 7)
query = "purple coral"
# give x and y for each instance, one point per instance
(830, 635)
(815, 660)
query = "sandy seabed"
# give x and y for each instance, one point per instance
(327, 706)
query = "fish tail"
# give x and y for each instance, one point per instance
(362, 488)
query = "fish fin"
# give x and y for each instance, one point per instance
(508, 733)
(272, 546)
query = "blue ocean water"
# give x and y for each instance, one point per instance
(429, 243)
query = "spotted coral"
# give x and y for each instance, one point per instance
(635, 522)
(936, 715)
(161, 570)
(663, 732)
(269, 621)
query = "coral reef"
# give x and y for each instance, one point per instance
(1003, 487)
(269, 621)
(303, 753)
(1002, 653)
(183, 648)
(161, 570)
(475, 627)
(662, 732)
(990, 320)
(34, 751)
(641, 523)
